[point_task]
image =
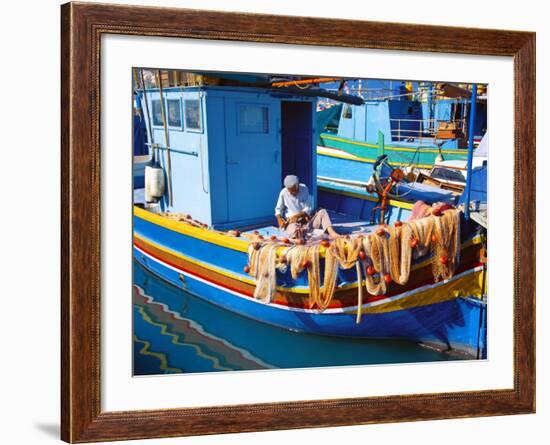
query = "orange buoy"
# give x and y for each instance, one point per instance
(237, 233)
(380, 232)
(273, 237)
(444, 260)
(434, 238)
(387, 278)
(370, 270)
(398, 223)
(257, 246)
(304, 264)
(246, 269)
(325, 243)
(256, 232)
(413, 242)
(362, 255)
(286, 240)
(436, 211)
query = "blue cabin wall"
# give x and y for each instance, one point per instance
(229, 172)
(215, 117)
(362, 122)
(377, 119)
(245, 146)
(189, 172)
(366, 120)
(405, 120)
(346, 124)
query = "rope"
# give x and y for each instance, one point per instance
(380, 257)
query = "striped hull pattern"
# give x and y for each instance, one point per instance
(399, 156)
(443, 314)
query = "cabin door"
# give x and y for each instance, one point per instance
(297, 143)
(253, 160)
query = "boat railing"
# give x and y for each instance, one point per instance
(403, 130)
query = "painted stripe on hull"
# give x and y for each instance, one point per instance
(209, 235)
(211, 256)
(469, 280)
(345, 296)
(453, 323)
(394, 147)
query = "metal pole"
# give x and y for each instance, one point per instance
(149, 128)
(166, 139)
(467, 189)
(429, 104)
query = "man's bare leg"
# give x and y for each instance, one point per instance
(321, 220)
(332, 233)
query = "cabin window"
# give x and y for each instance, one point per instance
(174, 112)
(253, 119)
(193, 114)
(347, 114)
(157, 113)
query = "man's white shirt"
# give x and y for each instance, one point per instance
(289, 205)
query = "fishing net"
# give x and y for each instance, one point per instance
(381, 257)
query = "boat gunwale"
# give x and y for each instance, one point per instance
(386, 300)
(219, 239)
(330, 137)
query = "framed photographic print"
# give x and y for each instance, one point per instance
(284, 222)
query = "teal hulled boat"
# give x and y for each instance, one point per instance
(414, 129)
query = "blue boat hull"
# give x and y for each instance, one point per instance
(456, 325)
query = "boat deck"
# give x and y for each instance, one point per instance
(409, 192)
(343, 224)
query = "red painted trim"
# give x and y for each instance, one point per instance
(334, 305)
(202, 277)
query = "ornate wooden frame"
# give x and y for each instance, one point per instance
(81, 28)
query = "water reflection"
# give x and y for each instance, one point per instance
(175, 332)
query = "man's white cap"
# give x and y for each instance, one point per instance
(291, 181)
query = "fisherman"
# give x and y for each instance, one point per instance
(294, 213)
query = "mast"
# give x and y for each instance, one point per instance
(467, 189)
(429, 99)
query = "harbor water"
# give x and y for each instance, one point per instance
(176, 332)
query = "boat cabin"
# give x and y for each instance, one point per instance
(403, 122)
(225, 150)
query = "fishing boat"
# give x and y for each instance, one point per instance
(205, 224)
(416, 128)
(451, 175)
